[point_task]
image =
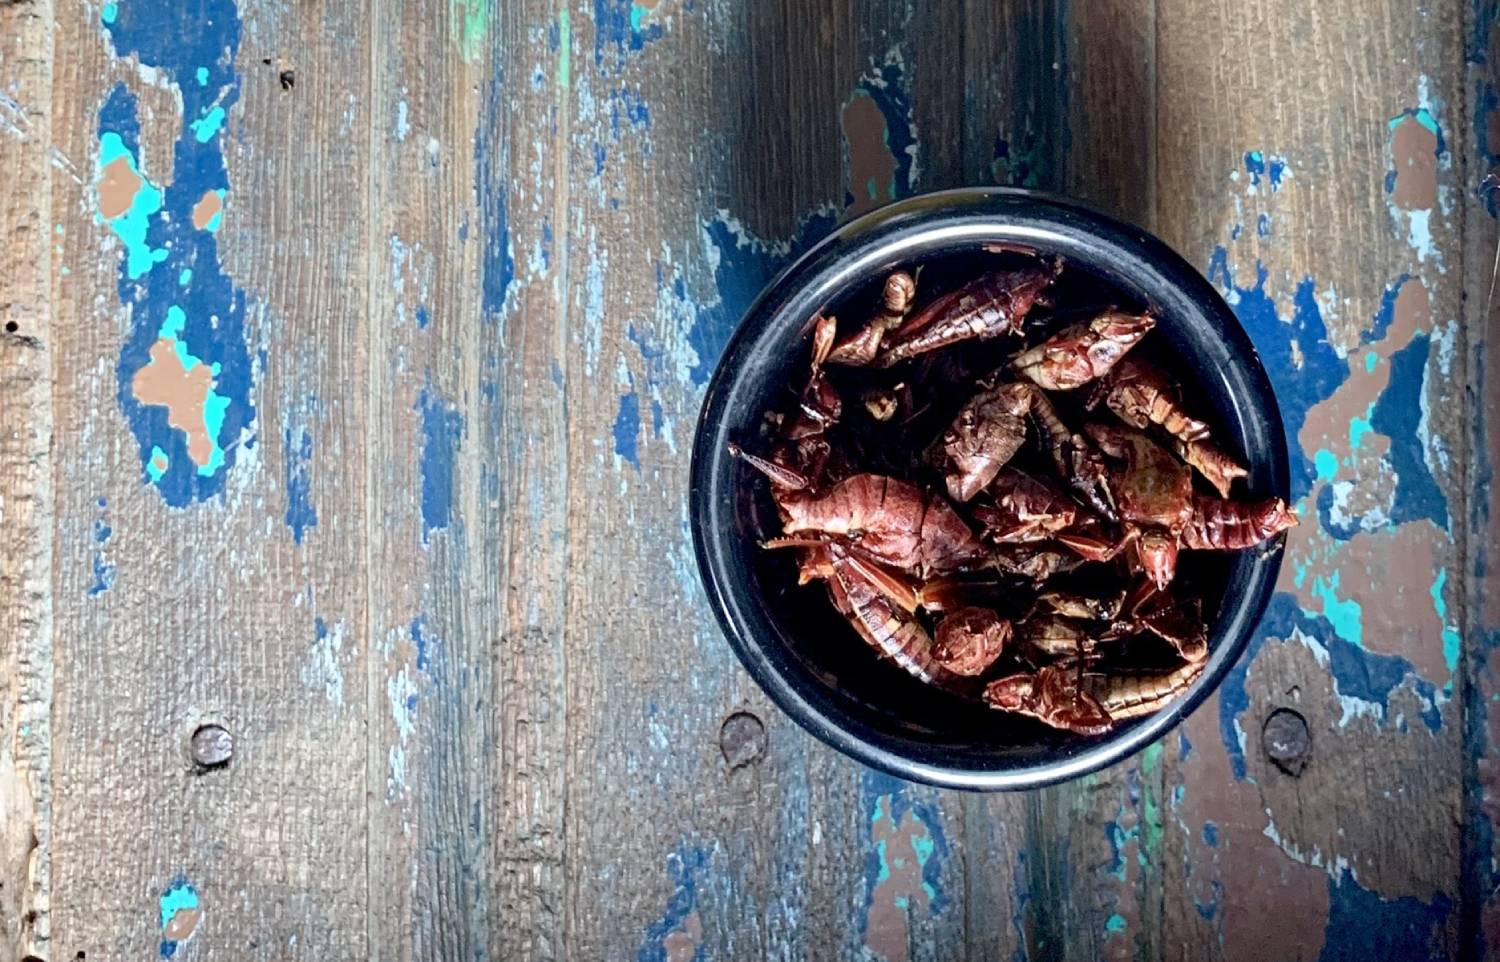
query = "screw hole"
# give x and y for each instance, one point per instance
(288, 80)
(11, 327)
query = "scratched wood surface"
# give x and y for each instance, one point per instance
(369, 340)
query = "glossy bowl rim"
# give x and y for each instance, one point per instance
(955, 219)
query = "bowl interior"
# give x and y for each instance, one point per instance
(789, 637)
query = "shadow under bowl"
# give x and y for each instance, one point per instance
(791, 641)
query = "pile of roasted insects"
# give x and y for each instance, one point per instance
(1002, 518)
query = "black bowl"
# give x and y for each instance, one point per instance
(791, 641)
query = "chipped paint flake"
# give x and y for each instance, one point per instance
(180, 912)
(322, 671)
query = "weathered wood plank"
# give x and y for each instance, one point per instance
(701, 157)
(1478, 137)
(1063, 99)
(442, 591)
(211, 472)
(449, 730)
(1304, 158)
(26, 479)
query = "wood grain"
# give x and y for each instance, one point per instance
(1361, 637)
(26, 492)
(217, 610)
(1480, 152)
(443, 592)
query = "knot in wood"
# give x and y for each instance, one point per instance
(742, 739)
(211, 746)
(1286, 740)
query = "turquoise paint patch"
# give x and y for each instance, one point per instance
(206, 126)
(1325, 464)
(1115, 924)
(157, 464)
(185, 277)
(1371, 359)
(885, 867)
(1344, 616)
(177, 898)
(202, 76)
(1358, 428)
(131, 226)
(108, 12)
(637, 14)
(1451, 639)
(923, 845)
(1422, 116)
(872, 189)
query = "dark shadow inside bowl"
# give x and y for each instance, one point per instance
(805, 655)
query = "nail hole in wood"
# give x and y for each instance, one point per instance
(11, 327)
(288, 80)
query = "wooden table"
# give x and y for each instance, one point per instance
(350, 363)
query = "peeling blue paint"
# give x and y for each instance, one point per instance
(1363, 926)
(442, 429)
(658, 419)
(745, 265)
(1380, 324)
(1276, 172)
(1263, 225)
(885, 796)
(1397, 414)
(421, 638)
(104, 572)
(627, 105)
(1210, 834)
(627, 428)
(1300, 382)
(1118, 838)
(423, 317)
(1255, 165)
(619, 25)
(297, 448)
(1356, 672)
(188, 43)
(684, 867)
(497, 267)
(1184, 747)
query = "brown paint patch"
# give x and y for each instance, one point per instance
(181, 391)
(872, 166)
(208, 205)
(1245, 876)
(1396, 613)
(682, 944)
(1414, 149)
(182, 924)
(118, 185)
(900, 893)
